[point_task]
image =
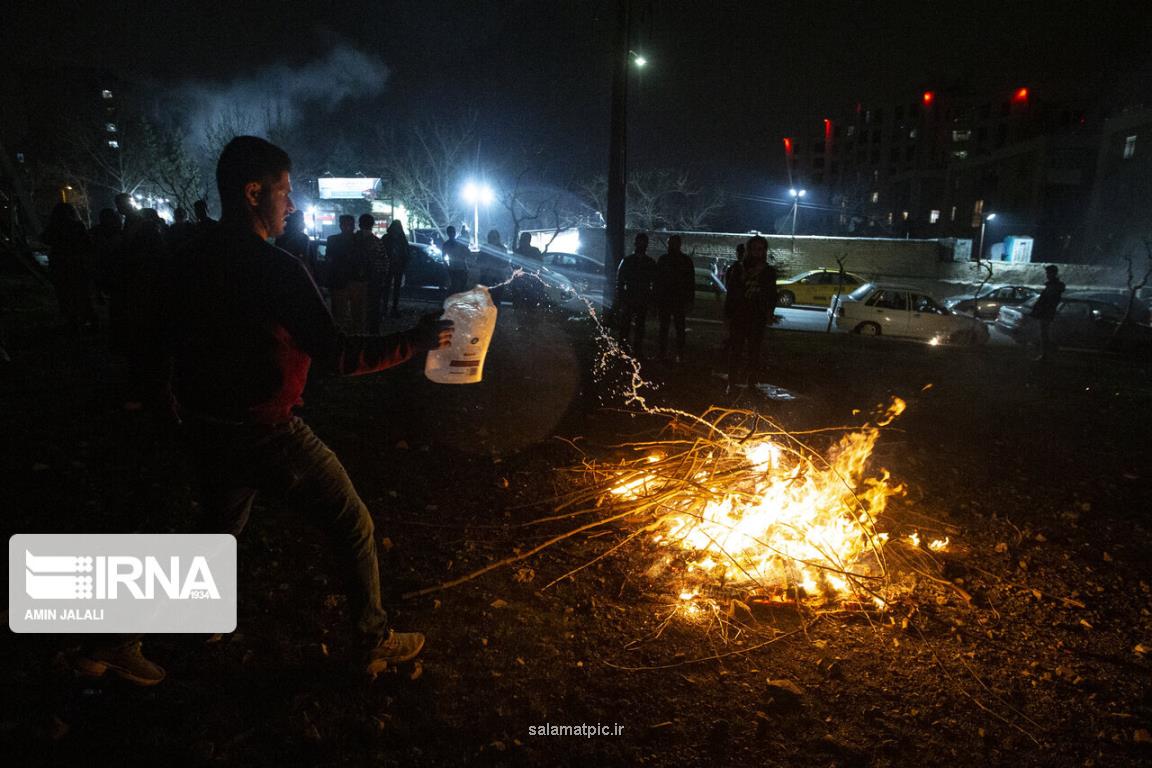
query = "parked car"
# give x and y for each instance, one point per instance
(1080, 322)
(876, 309)
(816, 287)
(427, 268)
(585, 272)
(559, 291)
(991, 298)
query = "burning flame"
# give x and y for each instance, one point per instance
(760, 515)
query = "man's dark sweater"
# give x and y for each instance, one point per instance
(244, 322)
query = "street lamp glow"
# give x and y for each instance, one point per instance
(797, 192)
(477, 195)
(637, 59)
(991, 216)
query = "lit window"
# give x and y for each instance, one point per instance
(953, 213)
(1129, 147)
(978, 208)
(913, 133)
(875, 197)
(889, 217)
(851, 130)
(904, 215)
(961, 135)
(106, 94)
(113, 144)
(934, 216)
(110, 127)
(960, 154)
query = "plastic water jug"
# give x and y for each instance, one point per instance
(474, 316)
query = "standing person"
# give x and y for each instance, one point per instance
(495, 268)
(457, 254)
(240, 358)
(181, 229)
(1044, 310)
(70, 258)
(529, 292)
(675, 293)
(749, 306)
(634, 283)
(370, 249)
(396, 246)
(296, 241)
(105, 243)
(203, 220)
(345, 278)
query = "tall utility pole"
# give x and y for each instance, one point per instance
(617, 156)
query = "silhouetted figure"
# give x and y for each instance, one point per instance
(675, 293)
(494, 266)
(347, 278)
(296, 241)
(396, 246)
(240, 357)
(1044, 310)
(457, 255)
(106, 237)
(634, 286)
(371, 249)
(133, 283)
(203, 220)
(70, 259)
(181, 229)
(528, 291)
(749, 306)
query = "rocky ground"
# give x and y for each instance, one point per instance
(1026, 644)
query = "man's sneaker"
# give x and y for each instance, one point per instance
(394, 648)
(125, 661)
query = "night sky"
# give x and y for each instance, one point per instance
(726, 79)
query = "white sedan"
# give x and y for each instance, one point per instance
(876, 309)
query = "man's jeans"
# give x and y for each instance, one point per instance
(236, 462)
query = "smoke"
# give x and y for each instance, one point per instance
(281, 95)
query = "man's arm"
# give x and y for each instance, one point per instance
(299, 308)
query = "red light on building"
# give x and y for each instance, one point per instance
(929, 97)
(788, 146)
(1020, 95)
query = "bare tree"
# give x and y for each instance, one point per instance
(1134, 286)
(171, 167)
(424, 169)
(662, 199)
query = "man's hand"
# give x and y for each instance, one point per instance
(432, 332)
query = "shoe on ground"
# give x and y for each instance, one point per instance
(126, 662)
(394, 648)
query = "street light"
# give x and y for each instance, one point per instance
(637, 59)
(475, 194)
(983, 220)
(796, 195)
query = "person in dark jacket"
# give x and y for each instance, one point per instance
(528, 292)
(1044, 310)
(371, 249)
(296, 241)
(634, 285)
(347, 278)
(70, 260)
(181, 229)
(749, 306)
(396, 246)
(244, 322)
(457, 255)
(675, 293)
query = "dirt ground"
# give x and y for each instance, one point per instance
(1038, 474)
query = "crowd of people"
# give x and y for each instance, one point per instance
(667, 287)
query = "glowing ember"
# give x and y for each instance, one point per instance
(771, 517)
